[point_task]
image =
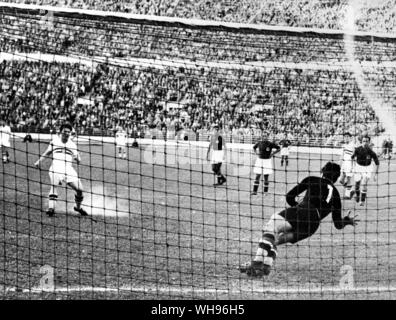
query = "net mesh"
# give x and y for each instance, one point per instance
(157, 227)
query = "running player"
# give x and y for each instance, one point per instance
(263, 166)
(301, 220)
(364, 156)
(217, 148)
(63, 150)
(347, 165)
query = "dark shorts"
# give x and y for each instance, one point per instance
(216, 167)
(304, 221)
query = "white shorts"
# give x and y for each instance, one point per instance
(121, 144)
(263, 166)
(60, 175)
(217, 156)
(363, 172)
(285, 152)
(5, 143)
(347, 168)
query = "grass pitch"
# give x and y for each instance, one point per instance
(162, 231)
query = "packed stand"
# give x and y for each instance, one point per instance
(38, 96)
(145, 39)
(378, 16)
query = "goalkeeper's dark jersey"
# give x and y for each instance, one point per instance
(321, 195)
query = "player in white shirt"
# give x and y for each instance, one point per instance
(347, 164)
(5, 135)
(63, 151)
(121, 139)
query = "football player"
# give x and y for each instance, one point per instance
(364, 156)
(300, 220)
(285, 150)
(63, 151)
(347, 164)
(121, 142)
(5, 135)
(387, 149)
(217, 148)
(263, 166)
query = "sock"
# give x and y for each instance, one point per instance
(282, 162)
(266, 252)
(256, 186)
(364, 196)
(266, 186)
(52, 198)
(287, 161)
(78, 198)
(357, 192)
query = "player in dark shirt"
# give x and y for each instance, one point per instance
(301, 220)
(363, 157)
(285, 149)
(217, 148)
(263, 166)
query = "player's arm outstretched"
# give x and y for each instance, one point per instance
(46, 154)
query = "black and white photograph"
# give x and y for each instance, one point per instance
(191, 150)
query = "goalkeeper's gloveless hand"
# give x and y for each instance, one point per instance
(348, 220)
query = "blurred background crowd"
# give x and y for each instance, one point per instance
(154, 79)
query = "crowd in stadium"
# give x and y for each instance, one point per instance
(146, 40)
(305, 102)
(373, 16)
(41, 95)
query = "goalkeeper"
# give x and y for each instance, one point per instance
(301, 220)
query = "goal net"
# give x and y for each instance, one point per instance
(157, 226)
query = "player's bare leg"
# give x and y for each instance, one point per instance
(266, 183)
(256, 184)
(348, 188)
(357, 191)
(364, 191)
(285, 160)
(79, 197)
(220, 177)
